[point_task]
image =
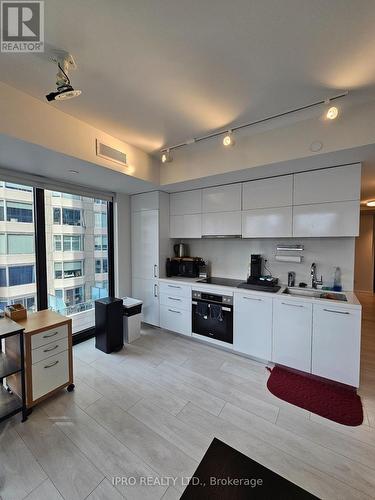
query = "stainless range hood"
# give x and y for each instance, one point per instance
(221, 236)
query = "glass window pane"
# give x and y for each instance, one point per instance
(20, 244)
(85, 225)
(17, 245)
(105, 266)
(57, 243)
(57, 215)
(21, 275)
(19, 212)
(3, 276)
(3, 244)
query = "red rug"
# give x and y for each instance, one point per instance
(327, 399)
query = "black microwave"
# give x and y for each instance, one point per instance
(188, 267)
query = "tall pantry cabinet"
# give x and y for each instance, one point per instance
(150, 248)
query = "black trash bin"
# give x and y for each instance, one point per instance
(108, 324)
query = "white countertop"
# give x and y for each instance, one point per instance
(352, 301)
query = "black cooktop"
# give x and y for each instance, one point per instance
(221, 281)
(271, 288)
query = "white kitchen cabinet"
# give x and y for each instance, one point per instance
(185, 226)
(175, 319)
(186, 202)
(326, 219)
(150, 248)
(336, 343)
(222, 198)
(221, 224)
(267, 223)
(145, 201)
(145, 244)
(292, 332)
(148, 291)
(253, 325)
(328, 185)
(268, 193)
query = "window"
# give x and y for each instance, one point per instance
(101, 243)
(21, 275)
(74, 296)
(27, 302)
(1, 210)
(101, 220)
(18, 187)
(3, 244)
(67, 216)
(101, 266)
(19, 212)
(71, 217)
(20, 244)
(72, 269)
(80, 227)
(3, 276)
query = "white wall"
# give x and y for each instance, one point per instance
(122, 221)
(364, 255)
(230, 258)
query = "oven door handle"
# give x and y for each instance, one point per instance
(194, 303)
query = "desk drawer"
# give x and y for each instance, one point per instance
(42, 338)
(50, 374)
(176, 320)
(48, 350)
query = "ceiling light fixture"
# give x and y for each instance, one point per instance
(166, 156)
(330, 114)
(228, 140)
(371, 203)
(64, 89)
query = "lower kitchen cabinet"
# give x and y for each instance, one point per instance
(175, 319)
(292, 330)
(253, 325)
(147, 290)
(336, 343)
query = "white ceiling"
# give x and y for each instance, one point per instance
(158, 72)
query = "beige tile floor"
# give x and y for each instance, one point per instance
(151, 411)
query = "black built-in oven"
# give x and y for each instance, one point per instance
(212, 315)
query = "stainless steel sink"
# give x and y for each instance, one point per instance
(313, 293)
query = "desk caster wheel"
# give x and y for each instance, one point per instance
(70, 388)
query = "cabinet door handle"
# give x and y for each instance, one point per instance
(292, 305)
(252, 298)
(51, 348)
(174, 298)
(336, 312)
(52, 364)
(50, 335)
(155, 270)
(174, 286)
(155, 290)
(174, 311)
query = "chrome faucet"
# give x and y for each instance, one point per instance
(314, 281)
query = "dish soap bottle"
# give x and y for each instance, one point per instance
(337, 287)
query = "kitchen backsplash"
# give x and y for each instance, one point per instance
(230, 257)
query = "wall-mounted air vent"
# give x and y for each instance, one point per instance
(109, 153)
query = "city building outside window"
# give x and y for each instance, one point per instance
(67, 216)
(73, 269)
(21, 275)
(68, 243)
(19, 211)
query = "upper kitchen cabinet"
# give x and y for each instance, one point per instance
(222, 199)
(186, 226)
(268, 193)
(145, 201)
(267, 223)
(221, 224)
(186, 202)
(328, 185)
(326, 219)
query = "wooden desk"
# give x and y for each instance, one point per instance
(48, 355)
